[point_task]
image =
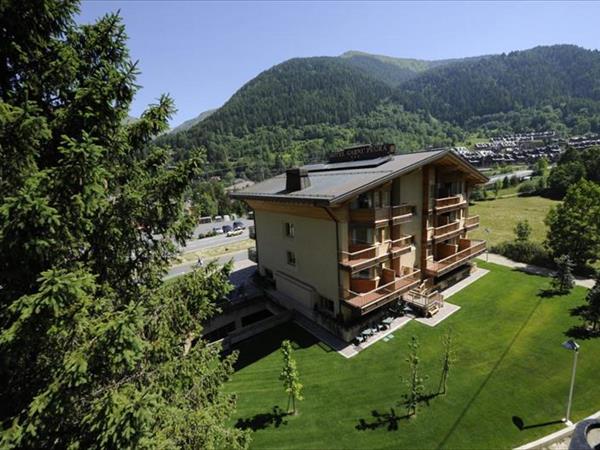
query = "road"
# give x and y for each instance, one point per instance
(519, 174)
(220, 239)
(237, 257)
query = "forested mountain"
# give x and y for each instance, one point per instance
(301, 109)
(502, 83)
(395, 71)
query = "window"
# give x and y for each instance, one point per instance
(362, 235)
(365, 274)
(385, 198)
(364, 200)
(291, 258)
(289, 229)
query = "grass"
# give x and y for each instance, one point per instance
(510, 367)
(213, 252)
(501, 215)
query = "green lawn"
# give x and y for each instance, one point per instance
(501, 216)
(510, 363)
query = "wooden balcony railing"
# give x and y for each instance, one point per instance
(471, 222)
(359, 258)
(449, 203)
(437, 268)
(401, 244)
(252, 232)
(424, 301)
(369, 215)
(368, 301)
(402, 213)
(444, 230)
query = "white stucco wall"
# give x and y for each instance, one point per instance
(314, 244)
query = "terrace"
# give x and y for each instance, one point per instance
(392, 287)
(459, 254)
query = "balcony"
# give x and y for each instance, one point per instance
(366, 302)
(360, 256)
(467, 250)
(443, 205)
(447, 231)
(401, 246)
(253, 254)
(402, 213)
(252, 232)
(472, 222)
(370, 215)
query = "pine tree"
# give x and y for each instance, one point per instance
(414, 382)
(563, 280)
(290, 377)
(96, 351)
(522, 231)
(591, 312)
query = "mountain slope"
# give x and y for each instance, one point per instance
(191, 122)
(298, 92)
(501, 83)
(395, 71)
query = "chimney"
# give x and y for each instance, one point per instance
(296, 179)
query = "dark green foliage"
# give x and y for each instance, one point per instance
(574, 225)
(591, 311)
(500, 83)
(95, 351)
(524, 251)
(563, 176)
(563, 281)
(573, 166)
(522, 231)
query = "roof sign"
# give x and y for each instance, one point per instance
(360, 152)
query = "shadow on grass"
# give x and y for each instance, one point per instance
(518, 422)
(263, 420)
(581, 331)
(388, 420)
(267, 342)
(548, 293)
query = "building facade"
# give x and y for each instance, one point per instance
(348, 238)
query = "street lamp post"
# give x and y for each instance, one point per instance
(574, 347)
(487, 248)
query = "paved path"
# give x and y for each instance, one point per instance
(536, 270)
(240, 261)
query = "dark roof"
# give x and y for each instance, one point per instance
(333, 185)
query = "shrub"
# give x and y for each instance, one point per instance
(527, 187)
(526, 252)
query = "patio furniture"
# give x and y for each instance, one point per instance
(387, 321)
(366, 332)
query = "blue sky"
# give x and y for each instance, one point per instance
(202, 52)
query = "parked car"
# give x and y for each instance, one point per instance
(218, 219)
(218, 230)
(238, 225)
(226, 218)
(227, 228)
(235, 232)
